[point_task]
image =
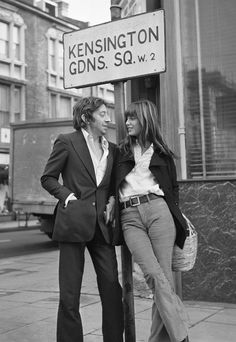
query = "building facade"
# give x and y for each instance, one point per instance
(31, 71)
(196, 97)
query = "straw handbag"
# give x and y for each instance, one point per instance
(184, 259)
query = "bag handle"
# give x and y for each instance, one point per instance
(191, 228)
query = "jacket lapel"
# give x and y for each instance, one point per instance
(156, 167)
(81, 148)
(156, 160)
(126, 157)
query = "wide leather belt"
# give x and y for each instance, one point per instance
(134, 201)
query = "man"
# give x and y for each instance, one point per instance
(84, 213)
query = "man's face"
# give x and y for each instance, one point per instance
(101, 119)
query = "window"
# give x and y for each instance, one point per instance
(65, 107)
(10, 104)
(61, 106)
(12, 35)
(52, 54)
(4, 105)
(4, 40)
(53, 105)
(50, 8)
(209, 64)
(17, 104)
(60, 59)
(55, 59)
(12, 67)
(111, 111)
(61, 101)
(16, 43)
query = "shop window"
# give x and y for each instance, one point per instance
(209, 63)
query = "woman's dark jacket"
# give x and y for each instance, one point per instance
(164, 171)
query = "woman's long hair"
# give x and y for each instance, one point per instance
(146, 112)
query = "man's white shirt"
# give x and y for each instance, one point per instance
(99, 165)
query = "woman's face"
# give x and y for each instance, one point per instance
(133, 126)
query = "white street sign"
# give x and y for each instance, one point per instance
(117, 50)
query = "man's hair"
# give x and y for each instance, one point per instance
(85, 106)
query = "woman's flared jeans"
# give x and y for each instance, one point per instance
(149, 233)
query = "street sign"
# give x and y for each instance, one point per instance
(114, 51)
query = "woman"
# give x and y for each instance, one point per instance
(150, 218)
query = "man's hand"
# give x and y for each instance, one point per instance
(109, 213)
(71, 197)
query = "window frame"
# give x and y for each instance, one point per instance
(13, 20)
(12, 88)
(56, 89)
(205, 173)
(55, 36)
(57, 96)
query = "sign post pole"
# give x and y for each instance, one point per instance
(126, 258)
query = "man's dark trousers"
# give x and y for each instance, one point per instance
(71, 268)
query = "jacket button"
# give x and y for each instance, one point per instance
(93, 204)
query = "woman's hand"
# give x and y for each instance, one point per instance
(109, 213)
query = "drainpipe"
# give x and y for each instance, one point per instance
(180, 90)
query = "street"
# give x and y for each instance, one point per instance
(23, 242)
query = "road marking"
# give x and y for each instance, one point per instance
(5, 241)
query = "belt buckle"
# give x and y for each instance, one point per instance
(134, 198)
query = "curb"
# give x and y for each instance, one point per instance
(18, 229)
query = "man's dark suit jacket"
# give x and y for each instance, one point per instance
(71, 158)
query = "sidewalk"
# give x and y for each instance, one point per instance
(29, 298)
